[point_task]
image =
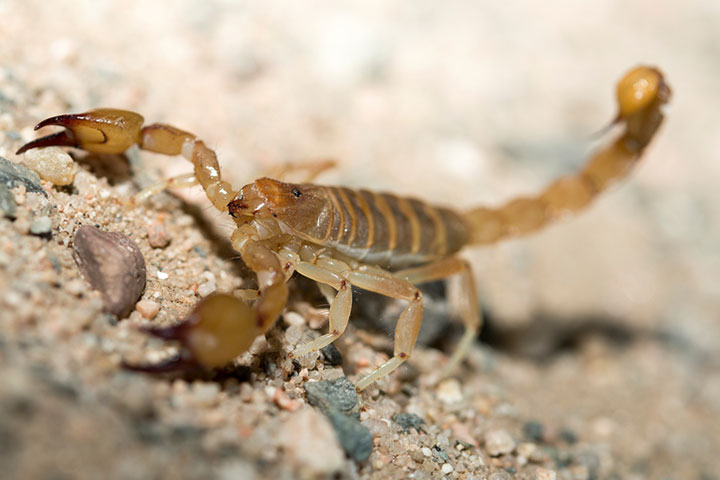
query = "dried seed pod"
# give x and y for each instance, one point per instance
(113, 264)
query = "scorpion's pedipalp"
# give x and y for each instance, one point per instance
(219, 329)
(105, 130)
(110, 130)
(59, 139)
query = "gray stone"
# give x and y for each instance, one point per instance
(408, 421)
(339, 394)
(14, 174)
(331, 355)
(7, 202)
(337, 399)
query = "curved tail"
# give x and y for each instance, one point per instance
(641, 93)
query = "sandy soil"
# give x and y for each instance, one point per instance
(600, 355)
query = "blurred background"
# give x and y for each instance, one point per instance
(616, 312)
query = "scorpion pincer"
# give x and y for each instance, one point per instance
(340, 237)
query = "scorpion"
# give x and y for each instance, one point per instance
(341, 237)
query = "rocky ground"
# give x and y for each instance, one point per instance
(599, 359)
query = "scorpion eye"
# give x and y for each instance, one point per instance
(296, 192)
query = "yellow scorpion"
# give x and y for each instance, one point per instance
(340, 237)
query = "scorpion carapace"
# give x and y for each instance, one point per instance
(341, 237)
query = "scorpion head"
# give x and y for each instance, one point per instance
(298, 206)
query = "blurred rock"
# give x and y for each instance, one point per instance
(310, 444)
(113, 264)
(51, 164)
(336, 399)
(7, 202)
(13, 174)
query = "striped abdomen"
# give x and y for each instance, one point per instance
(378, 228)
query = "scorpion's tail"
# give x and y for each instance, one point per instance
(641, 93)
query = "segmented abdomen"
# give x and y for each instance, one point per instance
(388, 230)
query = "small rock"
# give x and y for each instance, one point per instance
(41, 226)
(339, 394)
(113, 264)
(498, 442)
(446, 468)
(533, 431)
(449, 391)
(337, 398)
(569, 436)
(281, 399)
(13, 174)
(355, 438)
(52, 164)
(148, 308)
(76, 287)
(158, 236)
(332, 355)
(310, 445)
(7, 202)
(462, 433)
(500, 476)
(206, 288)
(544, 474)
(408, 421)
(527, 451)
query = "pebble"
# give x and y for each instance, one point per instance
(205, 289)
(500, 476)
(148, 308)
(310, 445)
(544, 474)
(76, 287)
(51, 164)
(498, 442)
(208, 286)
(534, 431)
(462, 432)
(336, 399)
(332, 355)
(113, 264)
(339, 394)
(526, 452)
(446, 468)
(449, 391)
(13, 175)
(281, 399)
(7, 201)
(158, 236)
(41, 226)
(408, 421)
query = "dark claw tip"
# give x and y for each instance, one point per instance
(174, 332)
(60, 139)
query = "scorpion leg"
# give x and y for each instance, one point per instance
(339, 307)
(108, 130)
(469, 309)
(272, 291)
(406, 331)
(311, 168)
